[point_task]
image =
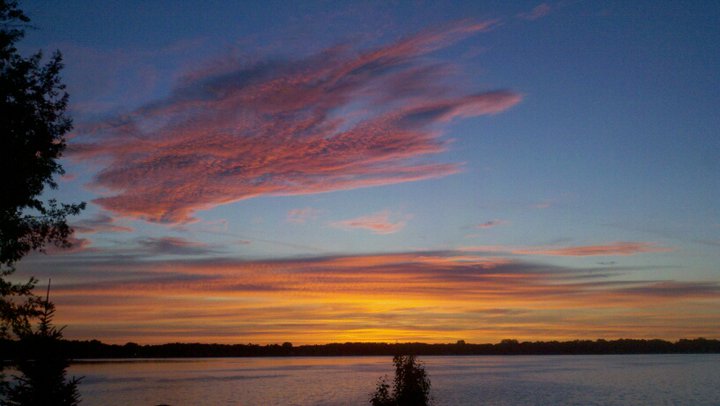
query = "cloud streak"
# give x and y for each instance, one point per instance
(342, 119)
(378, 223)
(491, 224)
(539, 11)
(621, 248)
(300, 216)
(174, 246)
(429, 296)
(101, 223)
(613, 249)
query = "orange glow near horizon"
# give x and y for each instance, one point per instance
(386, 298)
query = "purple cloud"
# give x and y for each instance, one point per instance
(175, 246)
(101, 223)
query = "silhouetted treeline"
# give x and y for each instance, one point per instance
(97, 349)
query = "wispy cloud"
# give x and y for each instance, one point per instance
(424, 295)
(113, 79)
(341, 119)
(300, 216)
(611, 249)
(491, 224)
(76, 245)
(378, 223)
(135, 250)
(539, 11)
(175, 246)
(101, 223)
(675, 289)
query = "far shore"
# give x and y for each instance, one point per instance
(96, 350)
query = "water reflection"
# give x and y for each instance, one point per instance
(492, 380)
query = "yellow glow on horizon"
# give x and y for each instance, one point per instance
(362, 299)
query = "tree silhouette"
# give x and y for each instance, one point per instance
(33, 125)
(42, 364)
(411, 386)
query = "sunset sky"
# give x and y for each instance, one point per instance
(387, 171)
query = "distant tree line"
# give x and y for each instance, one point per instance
(96, 349)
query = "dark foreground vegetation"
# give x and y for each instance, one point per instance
(411, 386)
(97, 349)
(33, 125)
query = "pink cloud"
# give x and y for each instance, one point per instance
(541, 10)
(378, 223)
(339, 120)
(300, 216)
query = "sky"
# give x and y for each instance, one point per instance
(314, 172)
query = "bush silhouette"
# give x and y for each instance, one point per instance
(42, 364)
(411, 386)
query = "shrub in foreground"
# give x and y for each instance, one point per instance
(411, 386)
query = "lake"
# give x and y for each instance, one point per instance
(472, 380)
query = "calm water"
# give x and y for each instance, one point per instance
(518, 380)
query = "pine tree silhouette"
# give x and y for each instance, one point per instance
(43, 366)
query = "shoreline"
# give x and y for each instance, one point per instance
(94, 349)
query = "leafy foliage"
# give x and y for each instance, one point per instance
(17, 304)
(33, 125)
(411, 386)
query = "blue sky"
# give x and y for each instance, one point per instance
(572, 139)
